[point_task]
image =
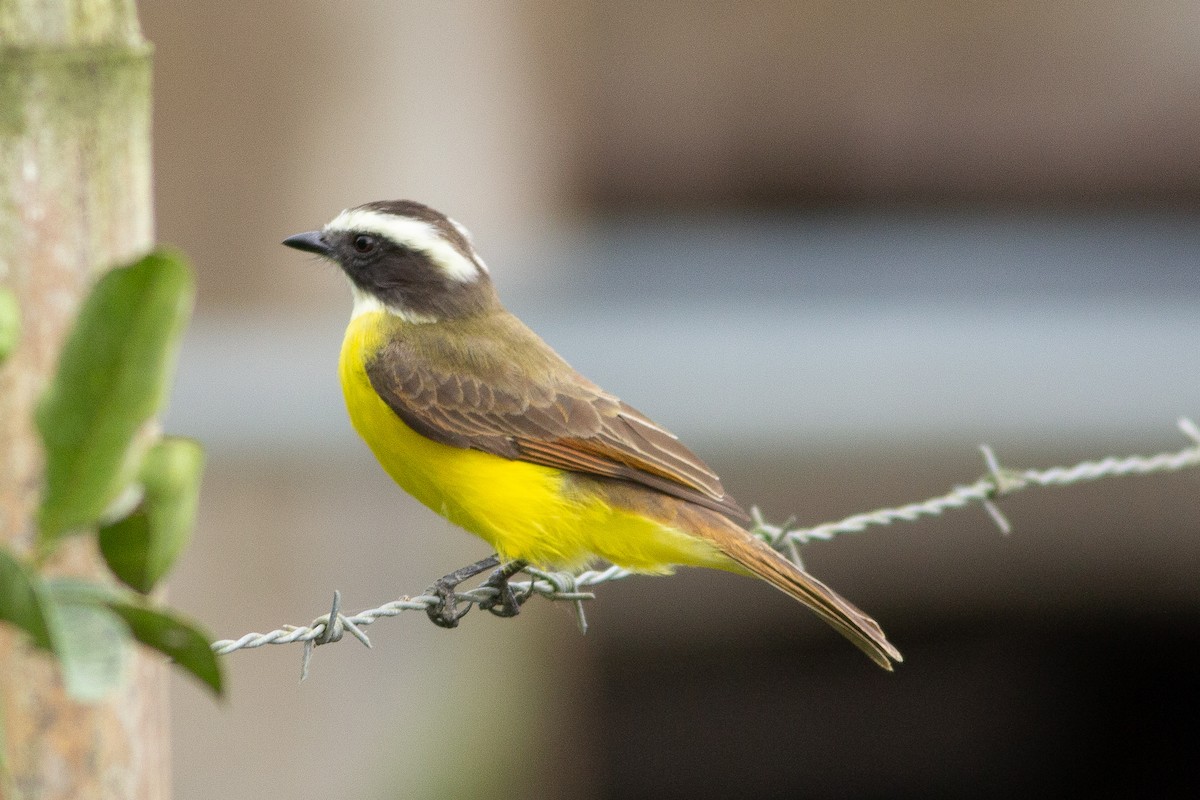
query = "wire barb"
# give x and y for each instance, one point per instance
(329, 628)
(1189, 429)
(1004, 482)
(786, 538)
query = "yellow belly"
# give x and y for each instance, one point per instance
(519, 508)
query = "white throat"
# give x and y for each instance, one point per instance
(366, 303)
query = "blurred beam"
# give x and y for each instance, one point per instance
(74, 200)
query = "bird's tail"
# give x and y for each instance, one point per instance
(757, 558)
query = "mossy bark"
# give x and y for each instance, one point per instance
(75, 199)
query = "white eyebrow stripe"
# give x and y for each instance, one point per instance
(414, 233)
(467, 235)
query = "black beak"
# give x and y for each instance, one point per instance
(310, 242)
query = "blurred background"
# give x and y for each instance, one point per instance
(834, 247)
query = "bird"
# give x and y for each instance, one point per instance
(475, 416)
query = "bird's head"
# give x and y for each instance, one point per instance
(405, 258)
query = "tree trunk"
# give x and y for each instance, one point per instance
(74, 200)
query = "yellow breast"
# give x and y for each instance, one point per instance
(518, 507)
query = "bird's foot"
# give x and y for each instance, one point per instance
(445, 612)
(505, 603)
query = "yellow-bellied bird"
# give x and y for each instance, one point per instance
(475, 416)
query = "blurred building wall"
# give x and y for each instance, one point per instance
(776, 102)
(518, 116)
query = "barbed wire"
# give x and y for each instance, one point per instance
(786, 538)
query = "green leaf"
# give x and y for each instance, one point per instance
(93, 643)
(169, 633)
(21, 602)
(10, 322)
(173, 636)
(112, 378)
(126, 545)
(141, 548)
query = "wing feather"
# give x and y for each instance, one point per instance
(546, 414)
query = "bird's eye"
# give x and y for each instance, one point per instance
(364, 244)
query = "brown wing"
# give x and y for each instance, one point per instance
(471, 396)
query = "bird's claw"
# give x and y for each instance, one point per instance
(505, 603)
(445, 613)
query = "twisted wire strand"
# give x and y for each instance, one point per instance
(786, 538)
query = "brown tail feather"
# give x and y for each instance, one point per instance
(753, 557)
(758, 558)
